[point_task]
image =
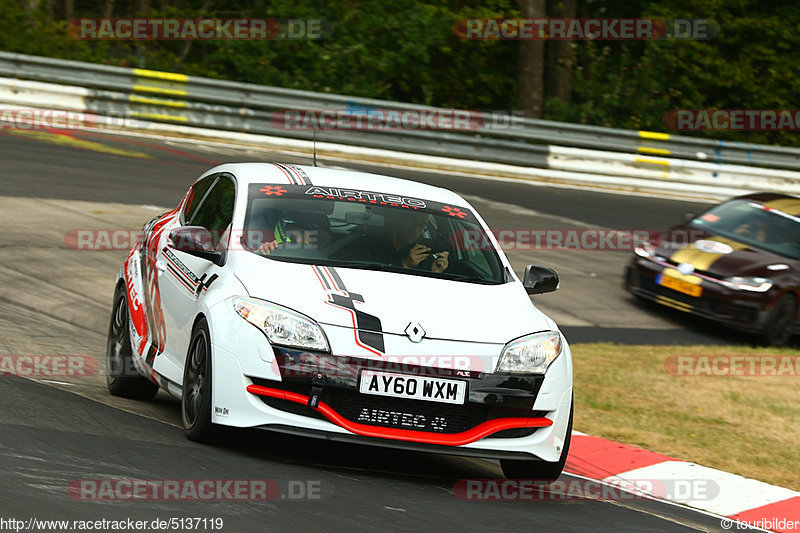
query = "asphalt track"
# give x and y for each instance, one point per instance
(55, 301)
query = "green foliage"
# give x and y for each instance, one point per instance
(750, 64)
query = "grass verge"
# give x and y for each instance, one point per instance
(741, 424)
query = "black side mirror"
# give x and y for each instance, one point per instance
(196, 241)
(539, 279)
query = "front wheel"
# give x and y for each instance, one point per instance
(541, 471)
(781, 321)
(121, 376)
(196, 397)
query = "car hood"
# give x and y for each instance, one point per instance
(718, 255)
(444, 309)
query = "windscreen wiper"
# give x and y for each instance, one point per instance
(357, 264)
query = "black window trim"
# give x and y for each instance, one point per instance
(217, 176)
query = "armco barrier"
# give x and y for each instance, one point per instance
(613, 156)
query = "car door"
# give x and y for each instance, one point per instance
(184, 278)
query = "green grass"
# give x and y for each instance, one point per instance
(744, 425)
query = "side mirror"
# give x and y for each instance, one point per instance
(196, 241)
(539, 279)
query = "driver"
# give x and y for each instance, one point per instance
(400, 246)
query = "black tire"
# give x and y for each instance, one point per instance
(781, 322)
(121, 376)
(539, 471)
(196, 397)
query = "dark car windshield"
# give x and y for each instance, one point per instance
(758, 225)
(369, 230)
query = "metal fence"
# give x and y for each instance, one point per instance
(170, 98)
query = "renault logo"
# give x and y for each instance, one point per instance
(415, 332)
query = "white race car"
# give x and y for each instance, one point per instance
(347, 306)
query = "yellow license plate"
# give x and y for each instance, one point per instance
(679, 285)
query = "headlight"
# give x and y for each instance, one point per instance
(531, 354)
(282, 325)
(747, 284)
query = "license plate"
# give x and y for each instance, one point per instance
(412, 387)
(679, 285)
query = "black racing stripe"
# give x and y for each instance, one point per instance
(180, 273)
(321, 276)
(152, 351)
(176, 273)
(373, 339)
(301, 173)
(336, 278)
(210, 280)
(288, 171)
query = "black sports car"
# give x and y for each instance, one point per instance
(737, 263)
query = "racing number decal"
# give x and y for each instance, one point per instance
(367, 327)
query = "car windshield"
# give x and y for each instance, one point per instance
(758, 225)
(368, 230)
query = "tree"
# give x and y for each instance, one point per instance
(559, 55)
(530, 71)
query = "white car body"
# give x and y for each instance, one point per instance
(466, 327)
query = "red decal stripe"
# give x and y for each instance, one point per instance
(182, 282)
(314, 270)
(299, 177)
(328, 275)
(448, 439)
(191, 285)
(355, 329)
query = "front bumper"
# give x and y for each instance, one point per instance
(497, 405)
(490, 398)
(743, 310)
